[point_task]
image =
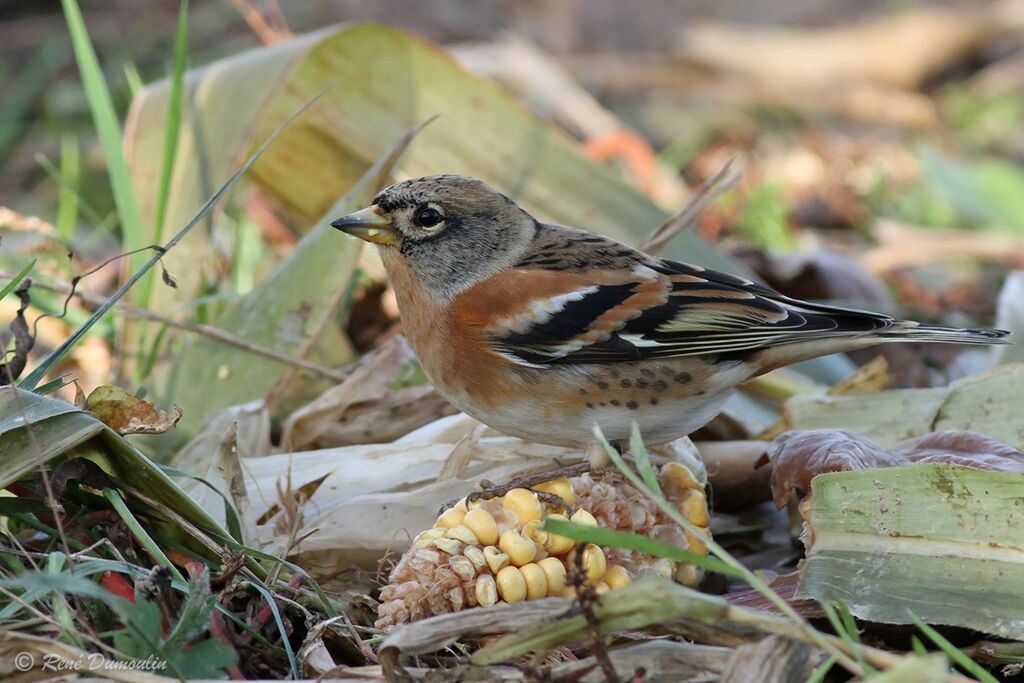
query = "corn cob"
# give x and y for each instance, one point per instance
(493, 550)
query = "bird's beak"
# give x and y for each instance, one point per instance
(368, 225)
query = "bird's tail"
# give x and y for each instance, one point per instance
(916, 332)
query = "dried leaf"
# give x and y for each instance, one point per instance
(128, 414)
(986, 403)
(11, 369)
(370, 382)
(932, 540)
(774, 659)
(1010, 316)
(797, 457)
(898, 51)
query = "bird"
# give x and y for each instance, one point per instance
(542, 331)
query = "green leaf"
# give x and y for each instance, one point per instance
(986, 403)
(990, 190)
(194, 618)
(107, 128)
(13, 284)
(643, 460)
(206, 660)
(59, 428)
(623, 539)
(928, 669)
(942, 540)
(961, 659)
(67, 203)
(138, 639)
(764, 222)
(172, 128)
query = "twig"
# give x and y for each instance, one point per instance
(208, 331)
(709, 192)
(259, 23)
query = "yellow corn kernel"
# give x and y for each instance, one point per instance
(532, 531)
(558, 545)
(461, 505)
(602, 588)
(476, 556)
(524, 503)
(456, 598)
(536, 581)
(689, 575)
(554, 570)
(462, 567)
(581, 516)
(520, 550)
(451, 517)
(594, 562)
(567, 592)
(486, 590)
(511, 584)
(495, 559)
(617, 577)
(674, 474)
(434, 532)
(560, 487)
(662, 567)
(481, 522)
(448, 545)
(695, 544)
(695, 508)
(464, 534)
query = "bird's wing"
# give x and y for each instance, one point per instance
(656, 310)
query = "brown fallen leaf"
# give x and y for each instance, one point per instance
(128, 414)
(367, 407)
(798, 456)
(900, 51)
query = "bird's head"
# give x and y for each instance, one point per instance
(452, 231)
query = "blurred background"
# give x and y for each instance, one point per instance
(877, 148)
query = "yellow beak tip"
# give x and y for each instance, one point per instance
(368, 225)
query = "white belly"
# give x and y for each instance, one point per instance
(531, 420)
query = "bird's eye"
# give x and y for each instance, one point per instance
(427, 217)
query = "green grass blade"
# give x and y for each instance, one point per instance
(172, 130)
(108, 129)
(643, 460)
(280, 626)
(140, 532)
(173, 120)
(58, 353)
(629, 541)
(954, 653)
(67, 206)
(58, 603)
(822, 671)
(133, 78)
(91, 215)
(10, 286)
(849, 634)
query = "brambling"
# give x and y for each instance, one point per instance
(540, 331)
